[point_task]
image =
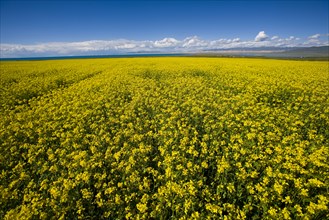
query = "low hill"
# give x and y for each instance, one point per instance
(295, 52)
(306, 52)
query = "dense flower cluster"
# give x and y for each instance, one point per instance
(181, 138)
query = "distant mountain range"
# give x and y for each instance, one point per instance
(250, 49)
(284, 52)
(307, 52)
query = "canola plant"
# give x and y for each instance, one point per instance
(164, 138)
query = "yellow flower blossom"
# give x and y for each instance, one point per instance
(161, 138)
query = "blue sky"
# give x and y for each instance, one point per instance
(51, 27)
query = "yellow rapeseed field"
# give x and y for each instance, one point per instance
(164, 138)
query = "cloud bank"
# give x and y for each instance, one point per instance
(166, 45)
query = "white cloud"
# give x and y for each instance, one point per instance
(166, 42)
(261, 36)
(194, 42)
(236, 40)
(166, 45)
(312, 42)
(315, 36)
(126, 46)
